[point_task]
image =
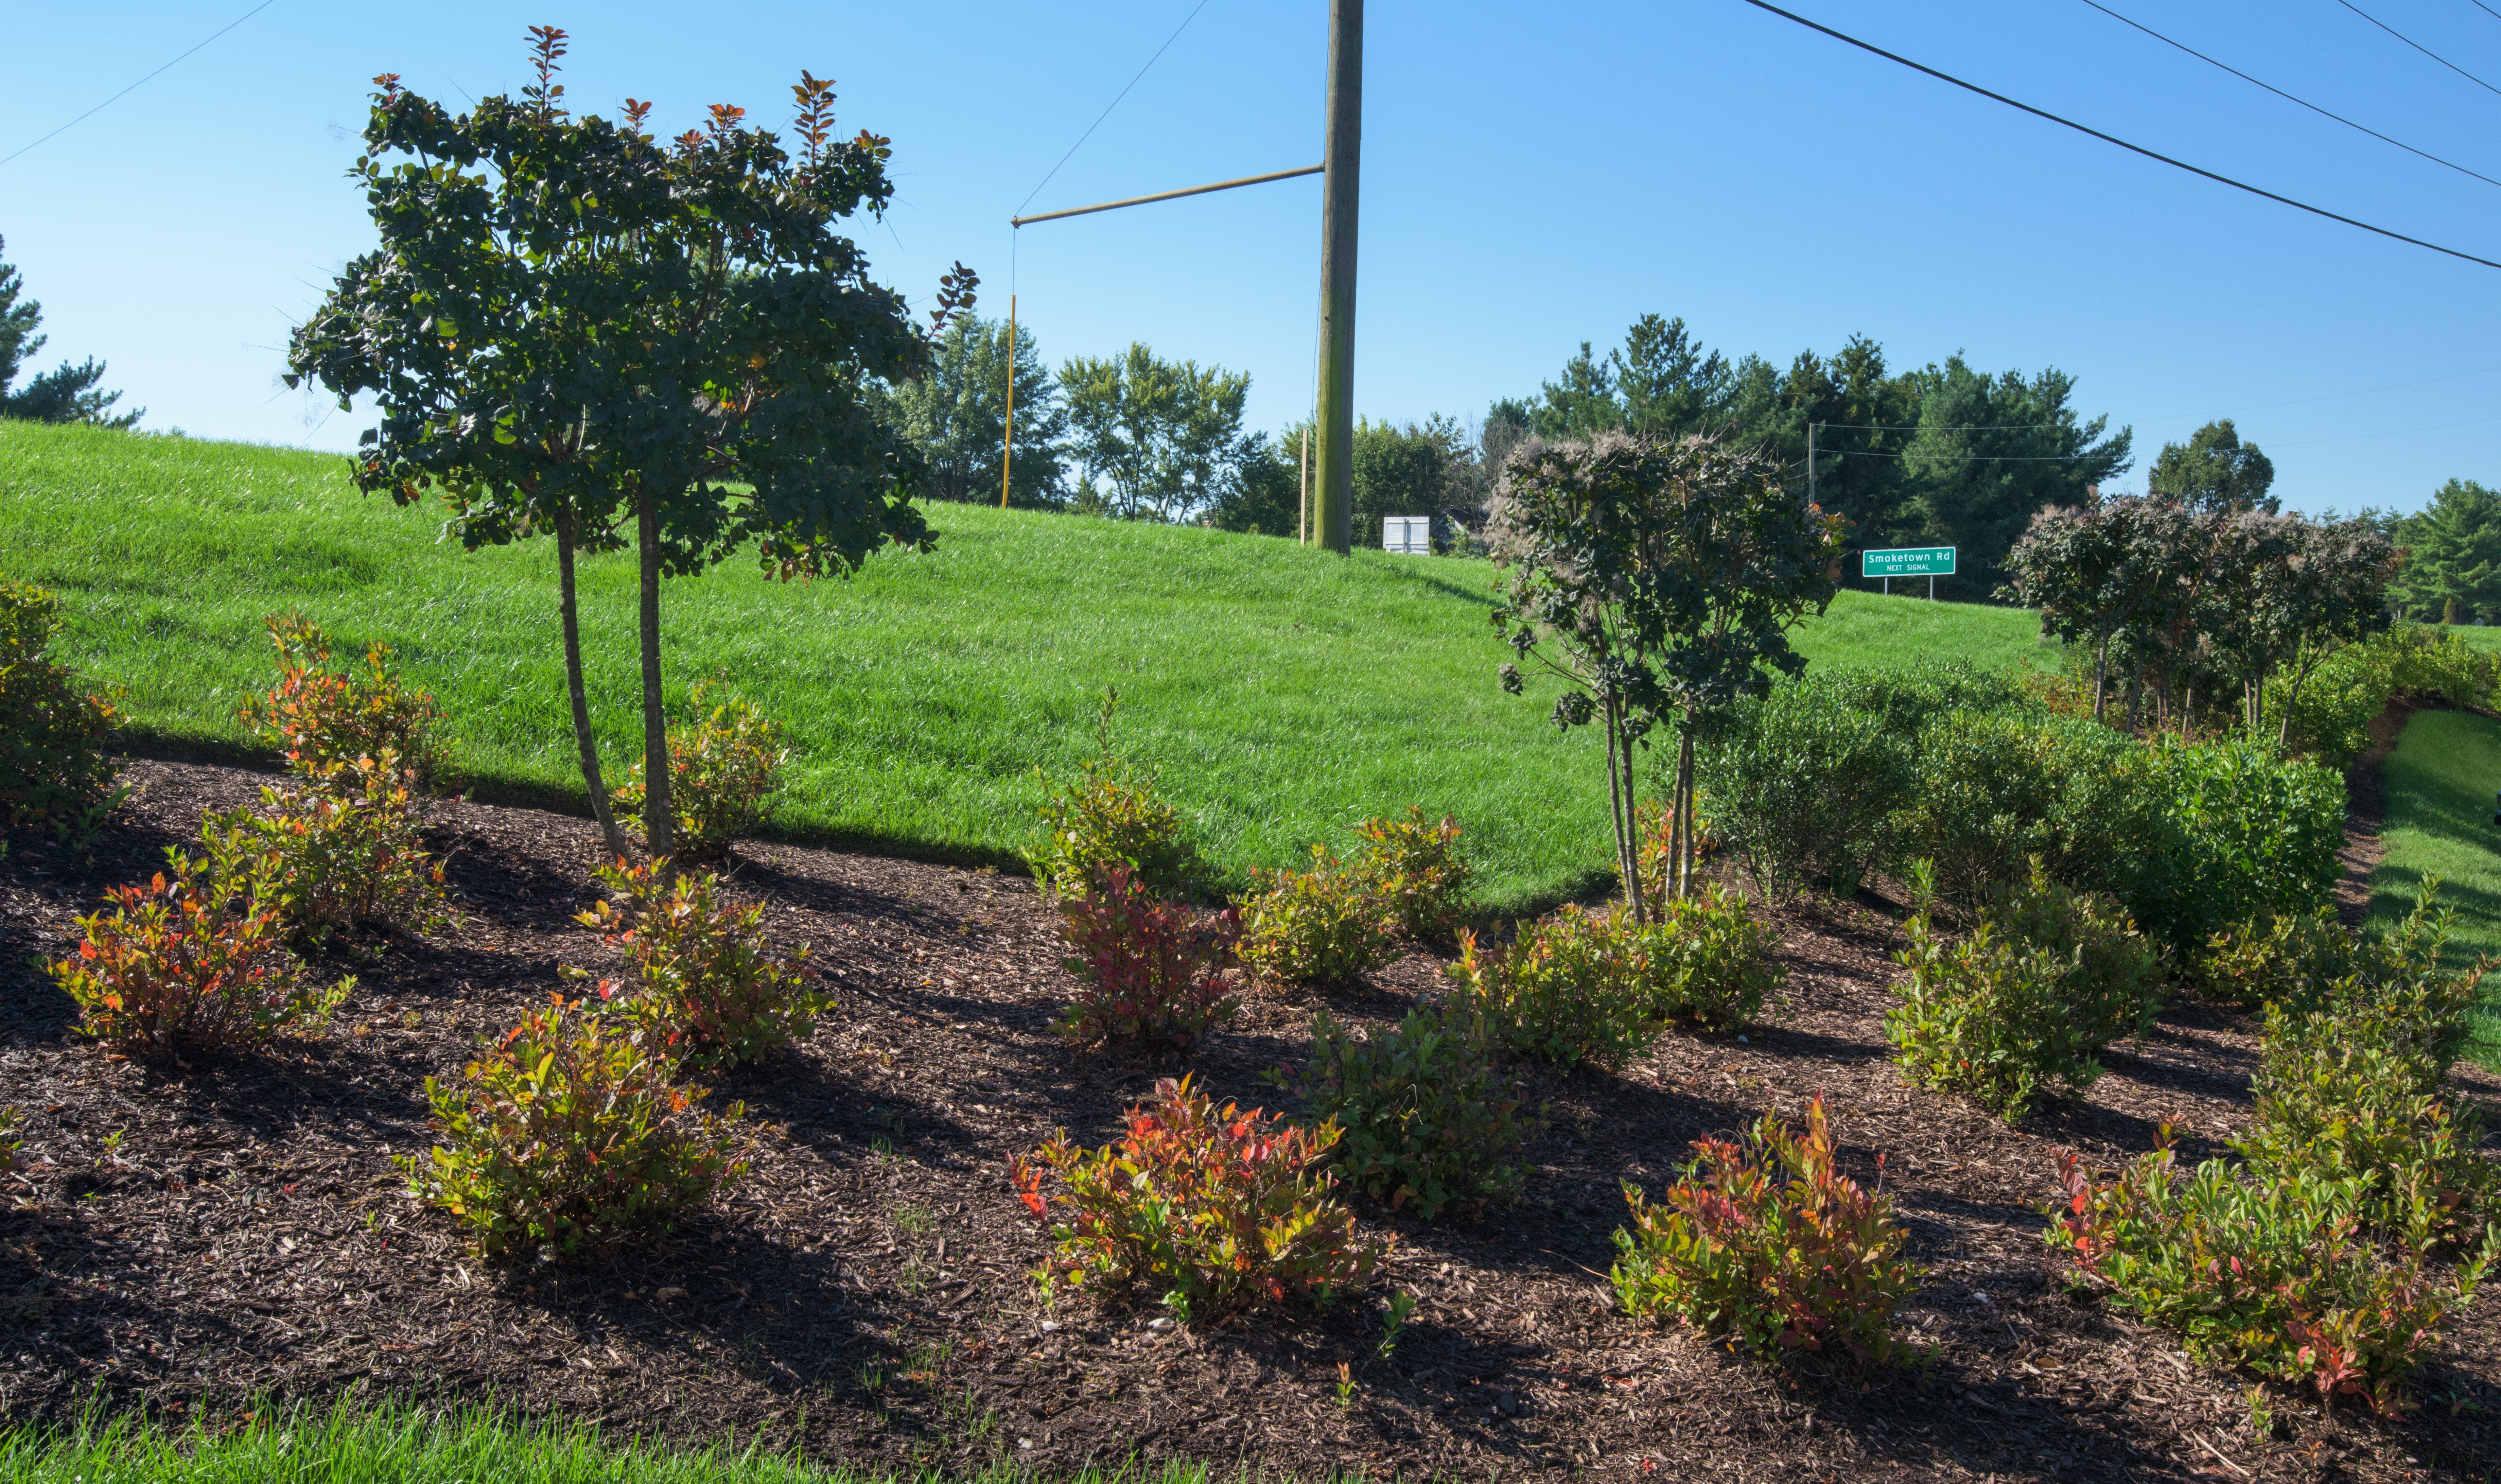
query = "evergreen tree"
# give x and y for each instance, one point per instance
(66, 394)
(2452, 571)
(957, 410)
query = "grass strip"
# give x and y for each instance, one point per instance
(2440, 779)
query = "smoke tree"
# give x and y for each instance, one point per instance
(1657, 579)
(573, 329)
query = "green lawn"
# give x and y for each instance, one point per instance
(2481, 636)
(2440, 781)
(1284, 693)
(397, 1445)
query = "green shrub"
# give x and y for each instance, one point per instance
(1323, 926)
(705, 987)
(2336, 1099)
(568, 1138)
(1770, 1242)
(2275, 956)
(1216, 1208)
(2257, 832)
(723, 770)
(1148, 973)
(1425, 1125)
(54, 777)
(1654, 836)
(346, 846)
(1805, 788)
(321, 714)
(2270, 1272)
(191, 961)
(1571, 988)
(1112, 814)
(1708, 960)
(2331, 718)
(2047, 977)
(1412, 871)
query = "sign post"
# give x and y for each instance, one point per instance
(1928, 561)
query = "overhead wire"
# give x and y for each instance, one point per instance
(1107, 108)
(2289, 97)
(2113, 139)
(133, 87)
(2419, 47)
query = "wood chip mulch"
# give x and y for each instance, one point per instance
(193, 1241)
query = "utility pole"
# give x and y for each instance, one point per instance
(1333, 494)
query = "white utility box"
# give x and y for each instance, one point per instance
(1411, 535)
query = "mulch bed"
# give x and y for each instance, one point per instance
(866, 1293)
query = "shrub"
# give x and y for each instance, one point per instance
(2336, 1099)
(192, 961)
(1317, 927)
(705, 987)
(1806, 787)
(1112, 816)
(2257, 833)
(2388, 987)
(2331, 718)
(568, 1138)
(2274, 955)
(1148, 973)
(321, 714)
(347, 847)
(1571, 988)
(1770, 1242)
(723, 768)
(1412, 871)
(1217, 1207)
(1708, 960)
(1654, 834)
(1424, 1118)
(54, 774)
(2267, 1272)
(2046, 977)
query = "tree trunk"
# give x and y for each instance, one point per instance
(1632, 823)
(2101, 673)
(1689, 844)
(658, 824)
(610, 835)
(1626, 856)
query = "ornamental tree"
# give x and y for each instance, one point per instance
(1657, 579)
(574, 330)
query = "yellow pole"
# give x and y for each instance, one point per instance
(1007, 459)
(1303, 481)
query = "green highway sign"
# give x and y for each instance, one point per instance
(1908, 562)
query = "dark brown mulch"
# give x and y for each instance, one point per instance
(866, 1293)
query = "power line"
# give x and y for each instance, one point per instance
(2418, 46)
(1107, 109)
(2290, 98)
(2485, 8)
(117, 97)
(2111, 139)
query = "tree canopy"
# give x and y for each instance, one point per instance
(2453, 557)
(2214, 470)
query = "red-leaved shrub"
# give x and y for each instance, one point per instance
(1149, 972)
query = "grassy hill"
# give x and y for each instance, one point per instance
(2440, 782)
(1283, 693)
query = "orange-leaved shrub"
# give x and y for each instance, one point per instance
(2275, 1271)
(723, 769)
(194, 960)
(321, 713)
(347, 849)
(1570, 988)
(1412, 871)
(54, 774)
(1768, 1241)
(705, 987)
(1317, 927)
(1112, 814)
(571, 1136)
(1148, 973)
(1213, 1208)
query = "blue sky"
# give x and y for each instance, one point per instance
(1533, 177)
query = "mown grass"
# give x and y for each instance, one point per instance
(2440, 778)
(404, 1445)
(1284, 694)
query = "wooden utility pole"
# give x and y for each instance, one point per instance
(1333, 493)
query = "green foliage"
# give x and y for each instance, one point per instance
(2272, 1273)
(2275, 956)
(1413, 869)
(2331, 717)
(193, 960)
(2345, 1097)
(2046, 977)
(723, 770)
(346, 846)
(1215, 1209)
(1708, 961)
(319, 714)
(2256, 834)
(1992, 789)
(955, 411)
(1149, 972)
(1575, 987)
(1806, 789)
(1768, 1241)
(2213, 470)
(2453, 557)
(705, 987)
(54, 774)
(569, 1138)
(65, 394)
(2390, 988)
(1425, 1125)
(1152, 439)
(1112, 815)
(1323, 926)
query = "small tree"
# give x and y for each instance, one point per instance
(571, 326)
(1653, 577)
(2332, 592)
(1163, 435)
(2090, 571)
